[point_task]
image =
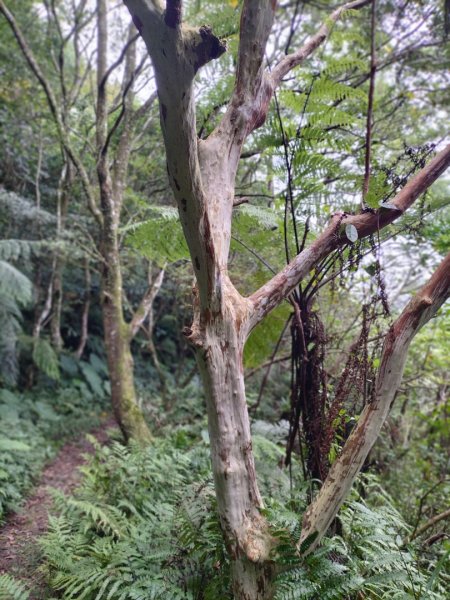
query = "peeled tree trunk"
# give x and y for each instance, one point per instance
(202, 176)
(219, 339)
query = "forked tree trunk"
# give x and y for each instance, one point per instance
(118, 333)
(202, 176)
(112, 172)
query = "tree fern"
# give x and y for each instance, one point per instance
(159, 238)
(15, 292)
(14, 284)
(20, 210)
(45, 358)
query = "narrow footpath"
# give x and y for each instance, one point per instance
(19, 552)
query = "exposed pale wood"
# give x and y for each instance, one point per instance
(281, 285)
(146, 304)
(346, 467)
(202, 176)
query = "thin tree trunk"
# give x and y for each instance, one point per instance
(155, 286)
(118, 334)
(127, 412)
(60, 260)
(85, 313)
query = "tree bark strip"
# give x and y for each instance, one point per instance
(344, 470)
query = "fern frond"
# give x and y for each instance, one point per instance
(45, 358)
(21, 210)
(11, 589)
(14, 284)
(160, 238)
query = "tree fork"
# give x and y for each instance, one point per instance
(202, 176)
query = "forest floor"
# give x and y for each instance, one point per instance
(19, 552)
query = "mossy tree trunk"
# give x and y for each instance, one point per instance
(118, 334)
(105, 197)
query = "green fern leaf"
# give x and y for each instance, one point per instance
(45, 358)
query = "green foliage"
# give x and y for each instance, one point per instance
(263, 338)
(10, 589)
(15, 292)
(45, 358)
(14, 284)
(160, 238)
(144, 526)
(136, 531)
(22, 212)
(369, 559)
(437, 229)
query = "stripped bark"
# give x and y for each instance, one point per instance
(366, 223)
(202, 176)
(145, 307)
(344, 470)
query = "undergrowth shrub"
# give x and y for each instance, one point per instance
(144, 526)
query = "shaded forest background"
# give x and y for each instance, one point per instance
(76, 263)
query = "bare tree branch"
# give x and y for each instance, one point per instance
(101, 124)
(53, 104)
(256, 24)
(281, 285)
(344, 470)
(369, 124)
(146, 304)
(291, 61)
(131, 40)
(428, 525)
(254, 89)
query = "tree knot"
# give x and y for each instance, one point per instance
(258, 543)
(193, 336)
(205, 46)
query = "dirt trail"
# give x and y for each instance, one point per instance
(19, 554)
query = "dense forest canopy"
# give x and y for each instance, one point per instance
(224, 237)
